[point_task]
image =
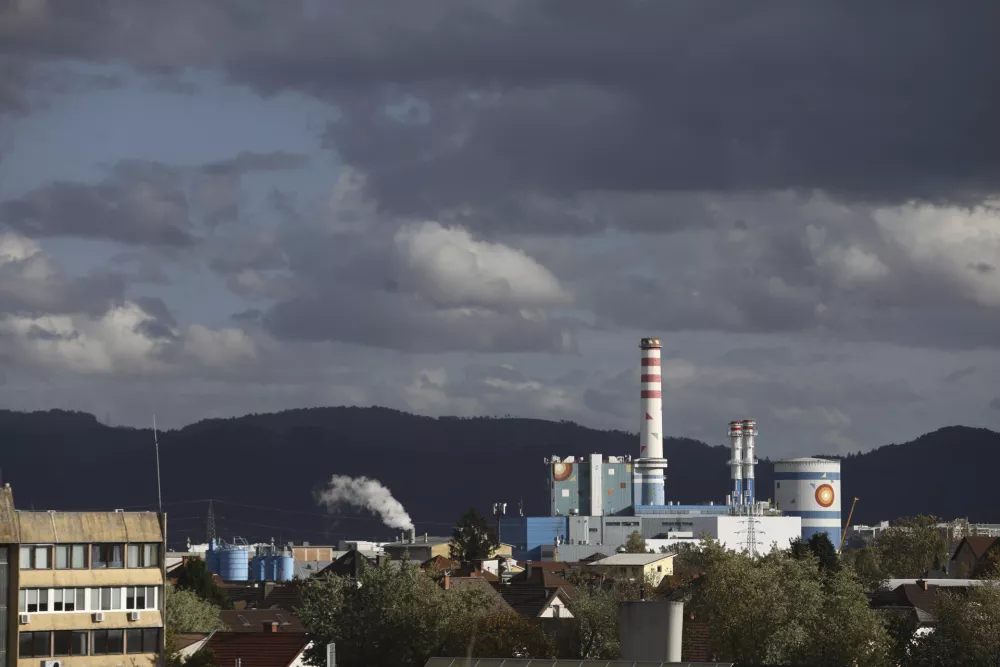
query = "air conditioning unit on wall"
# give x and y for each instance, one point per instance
(133, 616)
(25, 619)
(51, 663)
(98, 617)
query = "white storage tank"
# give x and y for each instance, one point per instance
(809, 488)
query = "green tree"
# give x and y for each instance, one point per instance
(595, 616)
(776, 609)
(186, 612)
(635, 543)
(473, 538)
(195, 576)
(909, 547)
(824, 551)
(966, 631)
(395, 616)
(498, 635)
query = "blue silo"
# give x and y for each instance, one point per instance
(257, 568)
(212, 558)
(286, 567)
(234, 561)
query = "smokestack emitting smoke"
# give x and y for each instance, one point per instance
(366, 493)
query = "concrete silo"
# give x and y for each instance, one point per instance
(809, 488)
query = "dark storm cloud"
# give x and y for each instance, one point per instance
(884, 102)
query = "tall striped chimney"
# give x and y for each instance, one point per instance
(648, 476)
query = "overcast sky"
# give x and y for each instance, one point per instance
(215, 207)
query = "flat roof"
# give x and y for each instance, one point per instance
(632, 559)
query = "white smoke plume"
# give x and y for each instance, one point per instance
(366, 493)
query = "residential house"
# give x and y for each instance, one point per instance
(637, 567)
(261, 620)
(975, 555)
(536, 602)
(85, 588)
(255, 649)
(540, 578)
(494, 600)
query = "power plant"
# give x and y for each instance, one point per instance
(597, 502)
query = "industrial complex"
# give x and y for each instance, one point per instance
(597, 502)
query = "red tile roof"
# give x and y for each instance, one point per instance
(278, 649)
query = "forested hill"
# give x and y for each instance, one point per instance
(436, 467)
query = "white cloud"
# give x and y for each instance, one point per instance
(450, 267)
(961, 244)
(109, 344)
(218, 347)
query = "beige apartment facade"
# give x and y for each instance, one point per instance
(80, 589)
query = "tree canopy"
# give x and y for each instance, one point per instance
(473, 538)
(777, 609)
(195, 576)
(966, 630)
(635, 544)
(398, 617)
(909, 547)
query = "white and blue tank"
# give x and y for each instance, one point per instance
(809, 488)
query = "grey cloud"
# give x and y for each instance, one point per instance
(957, 375)
(139, 204)
(995, 404)
(91, 294)
(249, 161)
(405, 322)
(982, 267)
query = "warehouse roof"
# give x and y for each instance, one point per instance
(632, 559)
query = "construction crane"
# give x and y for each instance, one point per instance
(847, 525)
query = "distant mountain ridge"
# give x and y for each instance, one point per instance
(264, 468)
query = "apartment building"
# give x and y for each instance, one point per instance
(80, 589)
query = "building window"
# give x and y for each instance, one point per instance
(34, 600)
(105, 556)
(36, 644)
(36, 558)
(69, 642)
(143, 640)
(71, 556)
(108, 642)
(777, 485)
(144, 555)
(140, 597)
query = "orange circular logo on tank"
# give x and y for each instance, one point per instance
(561, 471)
(824, 495)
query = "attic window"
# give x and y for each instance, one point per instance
(243, 620)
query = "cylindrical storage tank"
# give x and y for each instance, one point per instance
(257, 568)
(809, 488)
(234, 564)
(212, 560)
(286, 568)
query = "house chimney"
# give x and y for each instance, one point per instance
(413, 535)
(270, 626)
(922, 583)
(425, 538)
(447, 582)
(527, 569)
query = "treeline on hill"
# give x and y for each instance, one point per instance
(433, 466)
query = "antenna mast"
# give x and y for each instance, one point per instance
(210, 523)
(156, 443)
